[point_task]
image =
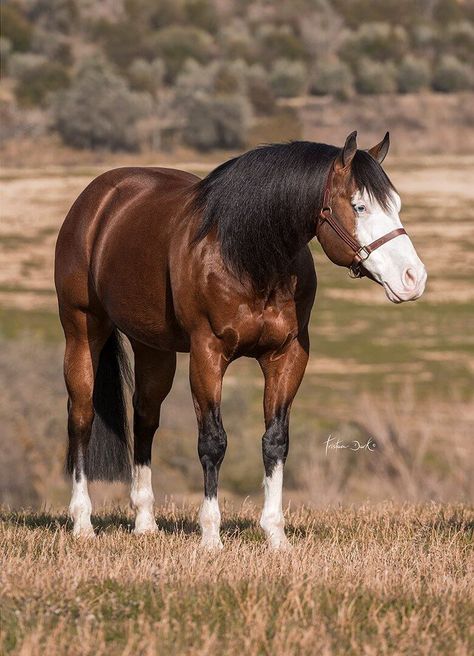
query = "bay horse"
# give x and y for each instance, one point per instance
(218, 267)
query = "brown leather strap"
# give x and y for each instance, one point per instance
(383, 240)
(327, 215)
(361, 253)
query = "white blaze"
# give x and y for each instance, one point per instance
(395, 264)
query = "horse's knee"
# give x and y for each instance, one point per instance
(212, 443)
(275, 443)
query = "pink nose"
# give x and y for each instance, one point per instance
(410, 279)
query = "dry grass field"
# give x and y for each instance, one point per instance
(366, 575)
(382, 579)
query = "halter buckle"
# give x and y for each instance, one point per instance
(365, 250)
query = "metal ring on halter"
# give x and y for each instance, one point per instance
(354, 271)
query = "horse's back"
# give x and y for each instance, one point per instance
(105, 238)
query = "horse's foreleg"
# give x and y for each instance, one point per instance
(283, 376)
(207, 367)
(154, 373)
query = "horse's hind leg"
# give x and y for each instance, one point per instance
(84, 342)
(154, 373)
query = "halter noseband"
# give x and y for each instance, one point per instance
(361, 253)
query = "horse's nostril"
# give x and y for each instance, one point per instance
(409, 278)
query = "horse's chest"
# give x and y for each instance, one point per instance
(256, 330)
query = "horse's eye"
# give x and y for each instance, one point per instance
(359, 208)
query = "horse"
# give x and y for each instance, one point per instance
(219, 268)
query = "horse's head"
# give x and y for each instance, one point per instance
(362, 210)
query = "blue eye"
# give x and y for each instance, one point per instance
(359, 208)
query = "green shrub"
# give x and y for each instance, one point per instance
(288, 78)
(461, 39)
(146, 76)
(178, 43)
(55, 15)
(236, 42)
(99, 110)
(36, 83)
(123, 41)
(332, 77)
(20, 63)
(375, 77)
(279, 43)
(452, 75)
(378, 41)
(226, 78)
(5, 51)
(53, 46)
(155, 14)
(202, 14)
(216, 122)
(413, 74)
(16, 27)
(259, 90)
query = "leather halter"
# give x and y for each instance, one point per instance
(361, 253)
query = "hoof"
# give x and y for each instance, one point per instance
(148, 529)
(281, 545)
(211, 544)
(84, 533)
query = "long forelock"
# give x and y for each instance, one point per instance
(369, 176)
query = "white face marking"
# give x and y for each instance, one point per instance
(80, 507)
(272, 520)
(142, 499)
(395, 264)
(210, 522)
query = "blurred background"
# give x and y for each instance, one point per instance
(89, 85)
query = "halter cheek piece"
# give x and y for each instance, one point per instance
(361, 253)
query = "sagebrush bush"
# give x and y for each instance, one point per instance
(216, 121)
(375, 77)
(99, 110)
(452, 75)
(147, 76)
(36, 83)
(288, 78)
(20, 63)
(378, 41)
(16, 27)
(202, 14)
(279, 43)
(461, 39)
(237, 42)
(413, 74)
(5, 51)
(259, 90)
(332, 77)
(176, 44)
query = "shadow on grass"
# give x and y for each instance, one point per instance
(240, 527)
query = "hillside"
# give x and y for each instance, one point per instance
(159, 74)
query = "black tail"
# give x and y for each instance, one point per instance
(108, 453)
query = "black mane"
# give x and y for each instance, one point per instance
(264, 203)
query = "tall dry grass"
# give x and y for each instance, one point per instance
(383, 579)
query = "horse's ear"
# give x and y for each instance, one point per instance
(346, 155)
(379, 152)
